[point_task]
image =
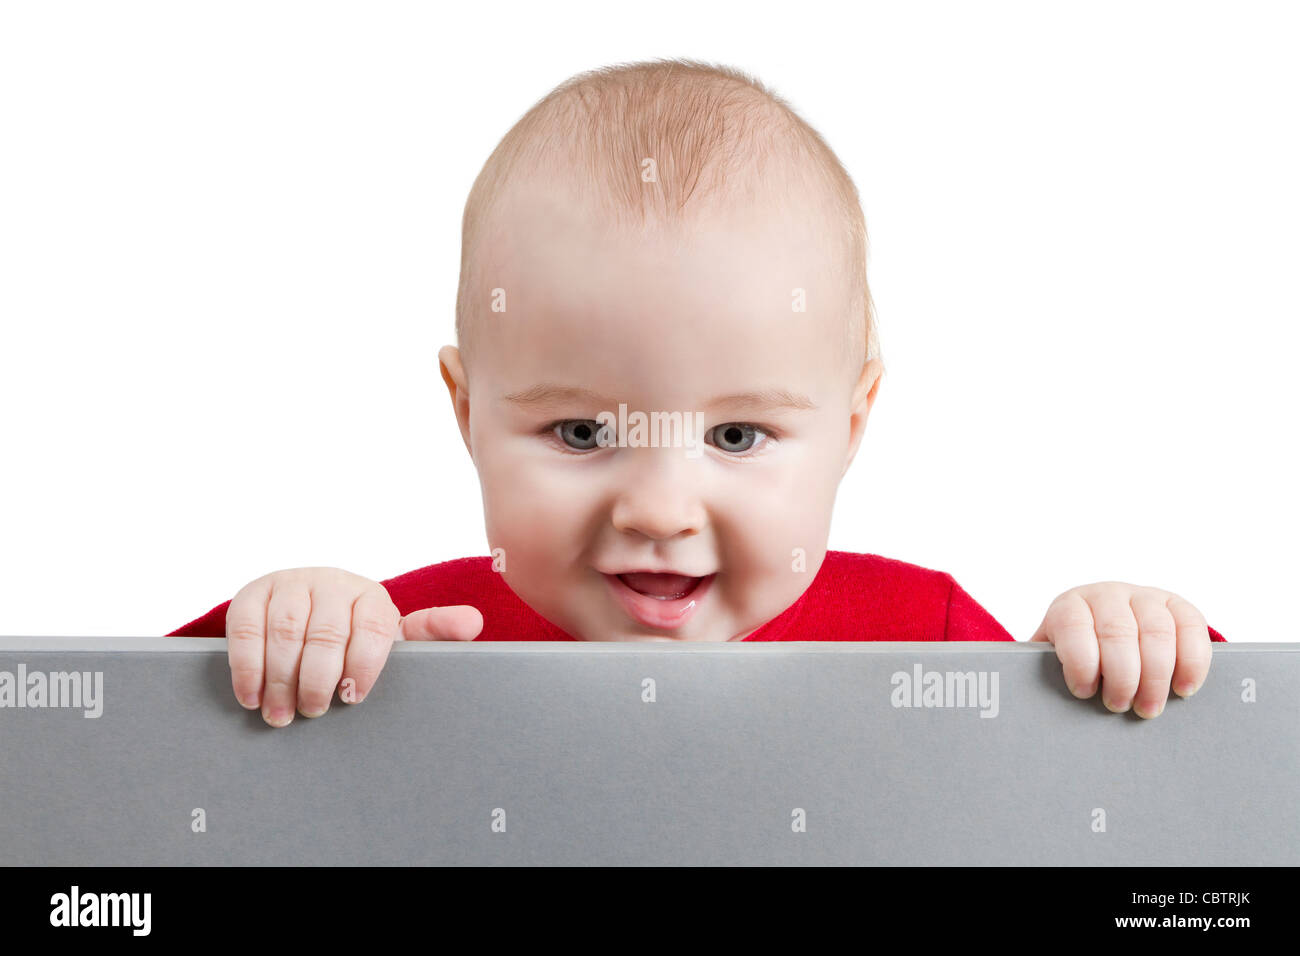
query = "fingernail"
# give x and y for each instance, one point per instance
(1185, 689)
(279, 717)
(1147, 716)
(311, 713)
(1113, 709)
(250, 701)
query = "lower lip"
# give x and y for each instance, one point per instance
(652, 612)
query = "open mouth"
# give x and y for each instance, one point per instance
(661, 587)
(658, 600)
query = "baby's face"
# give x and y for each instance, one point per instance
(700, 321)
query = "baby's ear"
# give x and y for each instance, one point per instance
(864, 393)
(453, 373)
(864, 396)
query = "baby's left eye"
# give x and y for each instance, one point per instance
(735, 436)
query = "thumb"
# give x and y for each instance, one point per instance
(458, 622)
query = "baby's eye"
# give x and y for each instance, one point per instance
(580, 434)
(735, 437)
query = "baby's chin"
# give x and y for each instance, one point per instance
(630, 633)
(661, 639)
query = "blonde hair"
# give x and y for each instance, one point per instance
(704, 124)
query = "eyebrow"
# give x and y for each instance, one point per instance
(763, 399)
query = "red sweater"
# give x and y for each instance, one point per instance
(854, 597)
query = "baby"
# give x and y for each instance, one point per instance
(666, 359)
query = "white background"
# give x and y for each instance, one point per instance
(229, 241)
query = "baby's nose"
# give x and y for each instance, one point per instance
(660, 498)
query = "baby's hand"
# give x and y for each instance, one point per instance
(300, 631)
(1140, 636)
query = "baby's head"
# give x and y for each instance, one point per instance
(668, 239)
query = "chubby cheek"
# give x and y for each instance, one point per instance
(534, 517)
(773, 534)
(545, 553)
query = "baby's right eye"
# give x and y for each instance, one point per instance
(579, 433)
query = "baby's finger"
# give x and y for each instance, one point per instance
(328, 630)
(1117, 642)
(456, 622)
(1068, 626)
(1157, 645)
(1194, 653)
(286, 622)
(375, 625)
(246, 641)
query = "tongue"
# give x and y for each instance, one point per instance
(667, 587)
